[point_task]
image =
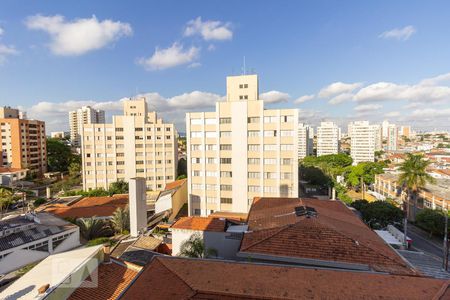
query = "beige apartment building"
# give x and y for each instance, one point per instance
(136, 144)
(240, 151)
(366, 138)
(328, 135)
(22, 142)
(81, 116)
(305, 140)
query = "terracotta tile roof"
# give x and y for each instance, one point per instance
(113, 278)
(200, 224)
(89, 207)
(241, 217)
(181, 278)
(175, 184)
(147, 242)
(336, 234)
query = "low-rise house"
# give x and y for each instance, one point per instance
(85, 273)
(99, 207)
(32, 237)
(172, 198)
(219, 234)
(182, 278)
(9, 176)
(319, 233)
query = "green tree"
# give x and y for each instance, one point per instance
(59, 155)
(75, 166)
(414, 177)
(121, 220)
(431, 220)
(182, 167)
(6, 199)
(118, 187)
(379, 214)
(359, 204)
(39, 201)
(181, 177)
(92, 228)
(195, 247)
(364, 170)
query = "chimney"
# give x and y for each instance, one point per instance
(43, 289)
(138, 206)
(106, 255)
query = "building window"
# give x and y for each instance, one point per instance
(225, 147)
(270, 119)
(226, 187)
(225, 120)
(254, 175)
(211, 134)
(226, 174)
(252, 120)
(270, 175)
(253, 161)
(211, 147)
(225, 160)
(287, 147)
(270, 147)
(226, 200)
(211, 173)
(254, 133)
(195, 147)
(254, 147)
(254, 188)
(225, 133)
(286, 161)
(211, 160)
(211, 187)
(270, 133)
(196, 134)
(270, 161)
(196, 121)
(287, 119)
(210, 121)
(287, 133)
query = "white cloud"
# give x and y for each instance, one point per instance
(195, 65)
(211, 47)
(431, 113)
(401, 34)
(392, 114)
(341, 98)
(274, 97)
(436, 80)
(5, 51)
(304, 98)
(77, 37)
(367, 107)
(338, 88)
(170, 57)
(209, 30)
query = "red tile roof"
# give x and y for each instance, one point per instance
(200, 224)
(181, 278)
(175, 184)
(89, 207)
(336, 234)
(113, 278)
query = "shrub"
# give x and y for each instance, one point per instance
(99, 241)
(39, 201)
(379, 214)
(431, 220)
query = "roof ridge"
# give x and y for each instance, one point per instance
(281, 228)
(442, 290)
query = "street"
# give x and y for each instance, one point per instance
(422, 242)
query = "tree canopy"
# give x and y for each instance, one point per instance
(60, 157)
(378, 214)
(366, 170)
(413, 172)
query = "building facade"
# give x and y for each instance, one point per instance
(240, 151)
(365, 140)
(305, 140)
(137, 144)
(328, 135)
(81, 116)
(22, 142)
(392, 138)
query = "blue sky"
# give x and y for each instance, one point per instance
(350, 59)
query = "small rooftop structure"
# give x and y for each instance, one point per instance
(183, 278)
(200, 224)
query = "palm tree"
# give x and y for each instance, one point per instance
(91, 228)
(121, 219)
(6, 199)
(413, 178)
(195, 247)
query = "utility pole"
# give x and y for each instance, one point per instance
(445, 258)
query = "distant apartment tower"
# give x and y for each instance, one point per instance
(305, 140)
(81, 116)
(240, 151)
(328, 135)
(22, 142)
(365, 140)
(385, 129)
(404, 131)
(392, 137)
(136, 144)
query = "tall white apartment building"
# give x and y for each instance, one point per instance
(81, 116)
(305, 140)
(137, 144)
(385, 129)
(392, 138)
(328, 135)
(240, 151)
(365, 140)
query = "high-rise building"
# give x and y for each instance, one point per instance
(81, 116)
(328, 135)
(136, 144)
(385, 129)
(365, 140)
(392, 138)
(305, 140)
(404, 131)
(240, 151)
(22, 142)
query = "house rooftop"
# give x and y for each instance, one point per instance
(111, 281)
(200, 224)
(204, 279)
(89, 207)
(332, 236)
(175, 185)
